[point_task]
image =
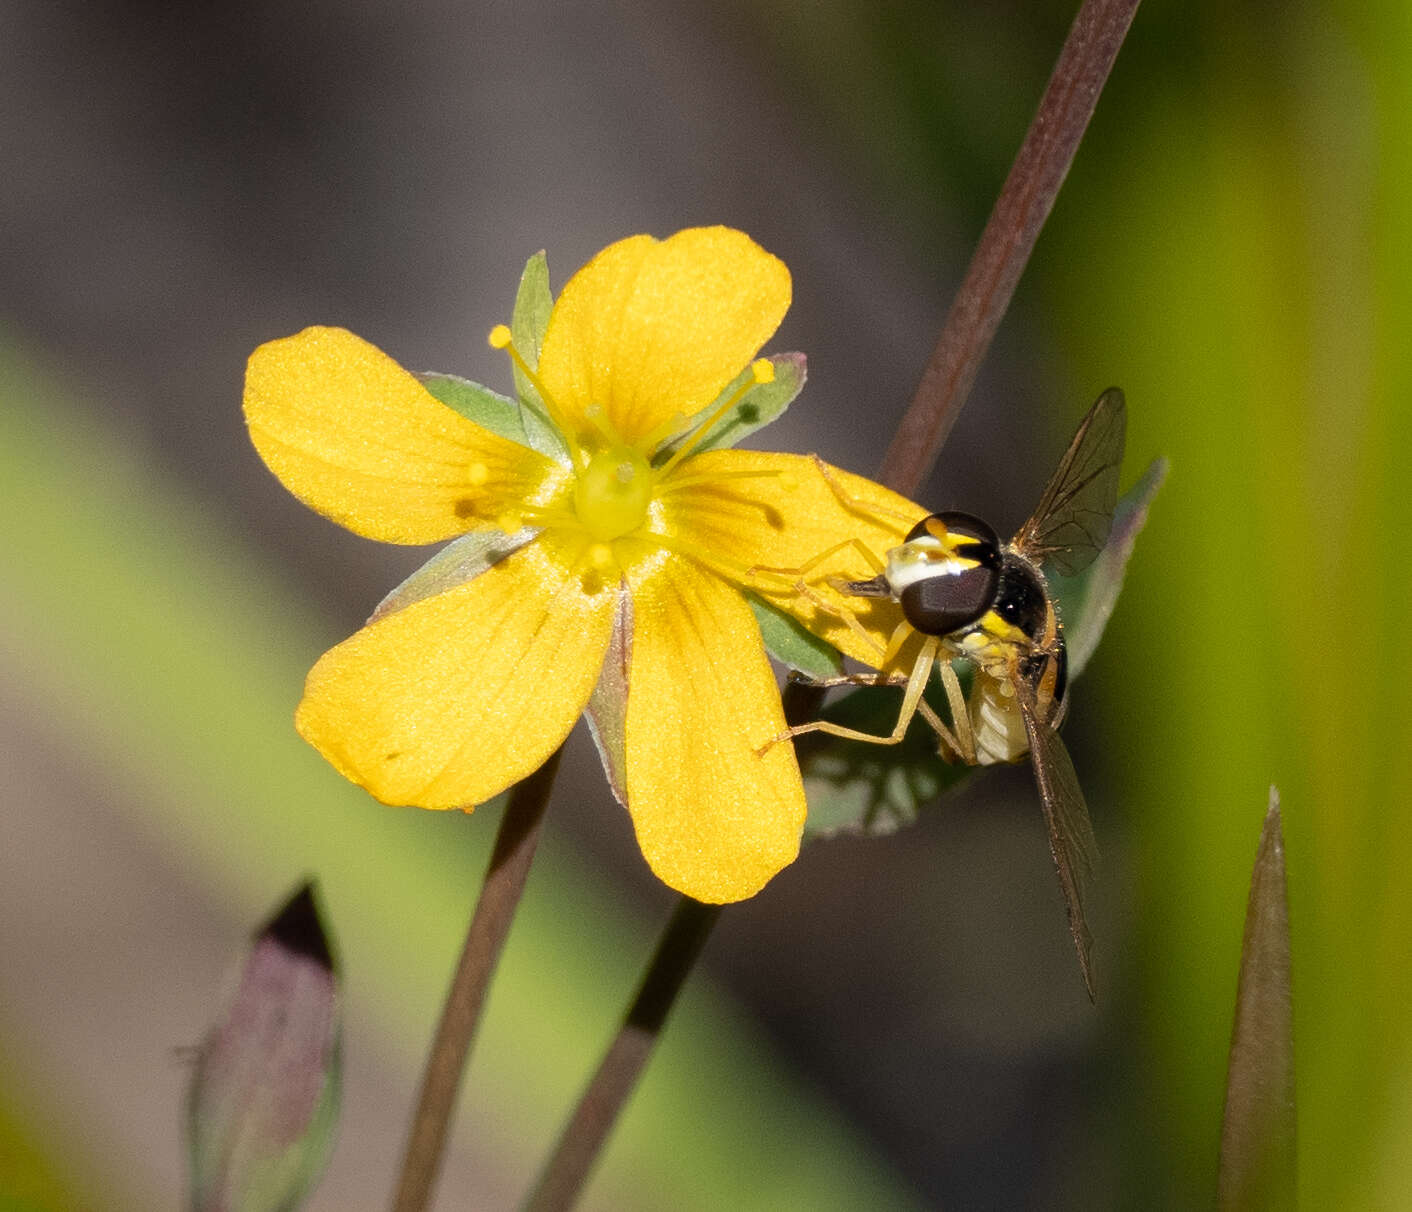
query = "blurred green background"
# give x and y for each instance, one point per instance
(893, 1023)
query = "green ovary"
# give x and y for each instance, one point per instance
(613, 492)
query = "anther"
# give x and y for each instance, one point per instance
(762, 370)
(500, 338)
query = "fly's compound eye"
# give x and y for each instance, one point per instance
(946, 573)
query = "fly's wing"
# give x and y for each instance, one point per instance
(1071, 840)
(1070, 524)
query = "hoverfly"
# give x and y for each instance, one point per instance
(964, 593)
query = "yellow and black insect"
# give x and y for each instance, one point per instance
(964, 593)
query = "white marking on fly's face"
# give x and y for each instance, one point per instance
(920, 559)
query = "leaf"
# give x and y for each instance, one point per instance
(790, 643)
(264, 1094)
(764, 403)
(453, 565)
(488, 409)
(533, 305)
(1258, 1131)
(1086, 601)
(874, 790)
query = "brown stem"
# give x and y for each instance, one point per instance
(504, 882)
(1009, 238)
(568, 1167)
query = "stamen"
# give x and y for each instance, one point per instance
(500, 339)
(762, 371)
(786, 478)
(517, 516)
(539, 515)
(597, 416)
(722, 566)
(660, 433)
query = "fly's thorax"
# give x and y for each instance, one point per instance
(1022, 601)
(1023, 606)
(1018, 639)
(945, 573)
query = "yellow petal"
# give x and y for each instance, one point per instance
(714, 819)
(650, 328)
(455, 698)
(787, 518)
(356, 437)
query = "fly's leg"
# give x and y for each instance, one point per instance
(963, 743)
(854, 505)
(844, 614)
(916, 683)
(851, 679)
(870, 557)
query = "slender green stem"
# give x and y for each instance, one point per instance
(1009, 237)
(495, 909)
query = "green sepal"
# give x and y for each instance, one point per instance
(757, 408)
(455, 564)
(792, 644)
(607, 710)
(533, 303)
(861, 788)
(488, 409)
(1085, 602)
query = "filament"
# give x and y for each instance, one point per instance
(762, 370)
(500, 339)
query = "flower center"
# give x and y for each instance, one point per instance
(612, 493)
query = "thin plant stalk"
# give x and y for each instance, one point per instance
(515, 843)
(1024, 203)
(1009, 238)
(569, 1165)
(564, 1174)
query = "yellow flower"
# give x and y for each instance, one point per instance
(617, 561)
